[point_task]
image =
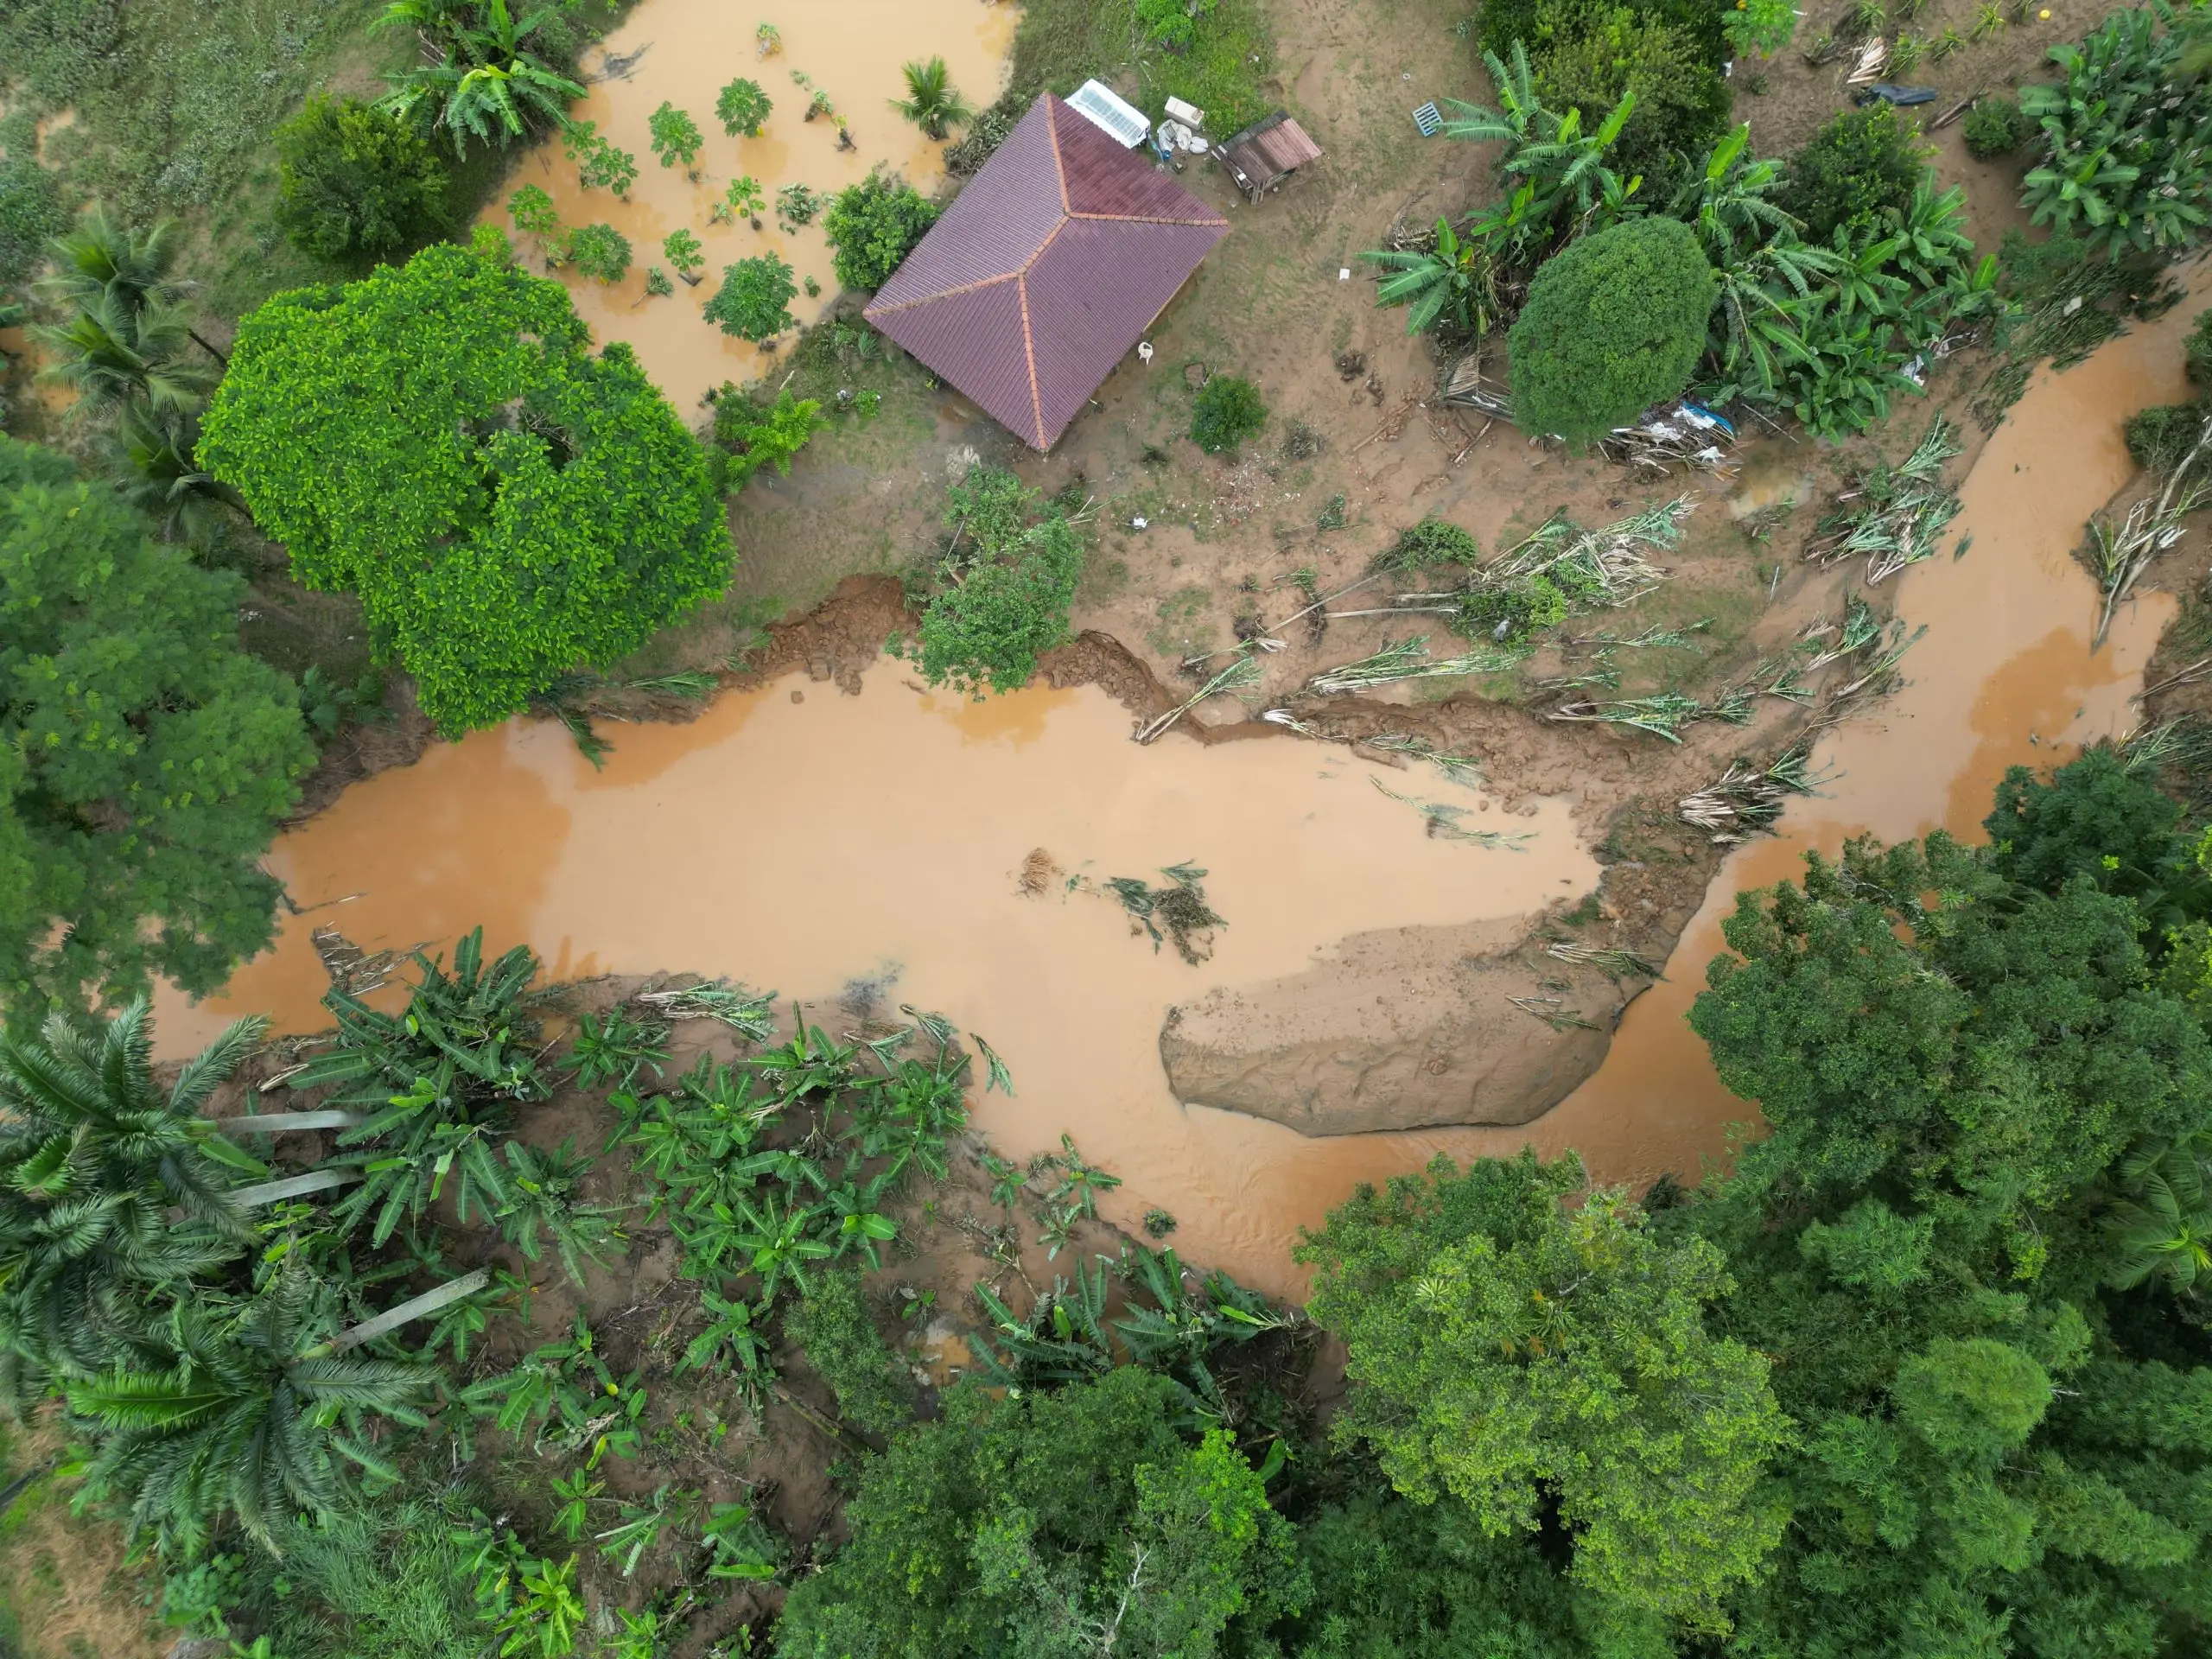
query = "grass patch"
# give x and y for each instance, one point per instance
(1062, 43)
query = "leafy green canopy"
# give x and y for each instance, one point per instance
(1968, 1241)
(439, 439)
(873, 225)
(1614, 323)
(1005, 586)
(1069, 1522)
(357, 182)
(1521, 1357)
(1857, 169)
(145, 760)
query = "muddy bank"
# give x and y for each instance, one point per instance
(1407, 1029)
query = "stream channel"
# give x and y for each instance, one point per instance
(835, 848)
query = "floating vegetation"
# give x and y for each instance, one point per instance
(1607, 959)
(1408, 660)
(1443, 823)
(1244, 672)
(1747, 799)
(1180, 908)
(2118, 556)
(1461, 769)
(747, 1013)
(1894, 514)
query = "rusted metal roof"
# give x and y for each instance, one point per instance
(1267, 150)
(1044, 270)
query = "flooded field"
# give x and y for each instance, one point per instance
(851, 53)
(827, 846)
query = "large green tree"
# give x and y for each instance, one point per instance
(440, 439)
(1525, 1358)
(146, 759)
(1979, 1094)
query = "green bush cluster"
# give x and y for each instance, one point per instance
(1857, 170)
(873, 225)
(31, 214)
(357, 182)
(1995, 126)
(2158, 437)
(1613, 325)
(1227, 410)
(1001, 591)
(832, 1323)
(755, 300)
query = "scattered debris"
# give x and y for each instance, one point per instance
(1181, 908)
(1443, 823)
(1747, 798)
(1894, 514)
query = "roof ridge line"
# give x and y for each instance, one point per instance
(943, 294)
(1149, 218)
(1060, 164)
(1029, 356)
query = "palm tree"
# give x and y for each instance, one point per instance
(931, 102)
(245, 1418)
(161, 475)
(118, 350)
(2162, 1229)
(1454, 280)
(105, 258)
(93, 1159)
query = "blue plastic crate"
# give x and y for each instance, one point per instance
(1427, 120)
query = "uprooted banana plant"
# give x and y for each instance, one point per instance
(1747, 798)
(1894, 514)
(2120, 554)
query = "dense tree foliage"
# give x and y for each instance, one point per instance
(1517, 1356)
(1072, 1521)
(357, 182)
(147, 757)
(1859, 168)
(1613, 325)
(439, 439)
(1978, 1091)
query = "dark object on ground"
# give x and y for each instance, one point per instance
(1902, 96)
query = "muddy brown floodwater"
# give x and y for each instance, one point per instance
(682, 53)
(809, 845)
(797, 839)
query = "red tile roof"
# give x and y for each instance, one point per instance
(1044, 270)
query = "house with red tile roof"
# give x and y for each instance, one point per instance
(1045, 270)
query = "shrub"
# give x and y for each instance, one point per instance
(532, 211)
(601, 165)
(831, 1322)
(757, 437)
(755, 300)
(2157, 438)
(2197, 350)
(1995, 127)
(1758, 28)
(600, 251)
(1613, 324)
(1432, 542)
(873, 225)
(372, 428)
(743, 109)
(1681, 100)
(1172, 23)
(1228, 409)
(797, 205)
(682, 250)
(1854, 171)
(356, 182)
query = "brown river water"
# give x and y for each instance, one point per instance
(851, 50)
(798, 839)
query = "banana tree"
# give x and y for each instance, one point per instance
(1728, 203)
(736, 1331)
(484, 81)
(778, 1237)
(1453, 282)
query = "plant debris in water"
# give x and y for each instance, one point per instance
(1180, 908)
(1444, 823)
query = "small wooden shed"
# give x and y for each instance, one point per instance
(1266, 153)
